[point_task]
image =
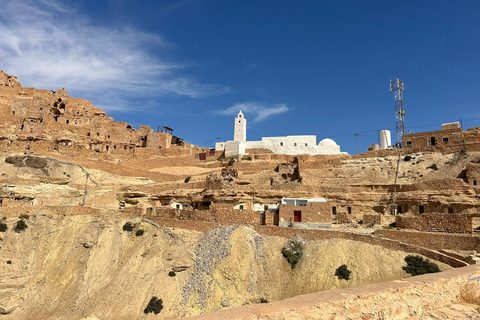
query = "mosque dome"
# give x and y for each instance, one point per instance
(327, 142)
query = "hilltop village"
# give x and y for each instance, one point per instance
(66, 165)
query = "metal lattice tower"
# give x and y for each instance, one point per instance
(396, 86)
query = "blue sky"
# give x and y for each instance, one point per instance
(294, 67)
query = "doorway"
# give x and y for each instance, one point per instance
(432, 141)
(297, 216)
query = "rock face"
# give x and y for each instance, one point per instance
(7, 80)
(77, 267)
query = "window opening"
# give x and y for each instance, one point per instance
(421, 209)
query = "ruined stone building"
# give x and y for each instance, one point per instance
(47, 120)
(291, 145)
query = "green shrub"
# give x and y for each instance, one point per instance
(9, 261)
(172, 273)
(155, 305)
(407, 158)
(343, 273)
(231, 162)
(433, 167)
(416, 265)
(3, 227)
(187, 179)
(20, 226)
(128, 227)
(293, 252)
(139, 233)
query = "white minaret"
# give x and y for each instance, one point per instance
(240, 133)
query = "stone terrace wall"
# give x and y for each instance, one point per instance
(434, 240)
(409, 298)
(437, 222)
(227, 216)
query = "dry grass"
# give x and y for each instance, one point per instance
(470, 292)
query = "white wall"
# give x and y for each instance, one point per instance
(219, 146)
(292, 145)
(234, 148)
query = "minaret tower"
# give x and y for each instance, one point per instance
(240, 133)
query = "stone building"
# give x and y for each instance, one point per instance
(50, 120)
(291, 145)
(450, 134)
(307, 213)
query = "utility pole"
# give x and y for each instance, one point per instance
(356, 143)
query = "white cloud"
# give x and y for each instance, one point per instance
(260, 111)
(49, 45)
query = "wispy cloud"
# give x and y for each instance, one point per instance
(49, 45)
(259, 111)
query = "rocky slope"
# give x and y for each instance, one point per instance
(73, 267)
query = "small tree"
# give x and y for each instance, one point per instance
(187, 179)
(3, 227)
(172, 273)
(433, 167)
(416, 265)
(293, 252)
(20, 226)
(343, 273)
(155, 305)
(139, 233)
(128, 227)
(407, 158)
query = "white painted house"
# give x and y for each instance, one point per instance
(293, 145)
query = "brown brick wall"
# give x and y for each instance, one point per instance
(437, 222)
(224, 216)
(314, 212)
(434, 241)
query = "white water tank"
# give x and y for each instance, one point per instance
(385, 139)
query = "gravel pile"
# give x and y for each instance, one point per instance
(213, 247)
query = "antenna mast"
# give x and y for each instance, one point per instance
(396, 86)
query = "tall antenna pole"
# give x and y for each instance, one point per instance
(396, 86)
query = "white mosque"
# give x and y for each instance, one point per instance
(292, 145)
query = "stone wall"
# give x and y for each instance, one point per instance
(441, 137)
(372, 219)
(437, 222)
(342, 217)
(223, 216)
(434, 240)
(314, 212)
